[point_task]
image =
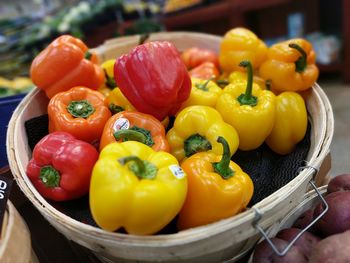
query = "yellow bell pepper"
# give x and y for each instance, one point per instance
(290, 123)
(217, 188)
(196, 129)
(290, 66)
(117, 102)
(109, 85)
(249, 109)
(203, 92)
(135, 187)
(241, 44)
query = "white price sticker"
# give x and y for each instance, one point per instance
(177, 171)
(121, 124)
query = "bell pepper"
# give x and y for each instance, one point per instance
(135, 126)
(249, 109)
(153, 78)
(79, 111)
(206, 70)
(290, 66)
(64, 64)
(109, 84)
(217, 188)
(195, 56)
(61, 166)
(196, 129)
(117, 102)
(241, 44)
(290, 123)
(203, 92)
(135, 187)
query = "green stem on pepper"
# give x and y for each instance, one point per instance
(141, 168)
(301, 63)
(247, 98)
(80, 109)
(223, 167)
(49, 176)
(196, 143)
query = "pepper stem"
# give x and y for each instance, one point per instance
(80, 109)
(300, 64)
(141, 168)
(268, 84)
(87, 55)
(110, 82)
(49, 176)
(135, 134)
(223, 167)
(203, 86)
(247, 98)
(196, 143)
(114, 108)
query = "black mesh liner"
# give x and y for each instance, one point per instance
(268, 170)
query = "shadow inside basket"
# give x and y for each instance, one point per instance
(268, 170)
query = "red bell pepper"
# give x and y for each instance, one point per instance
(61, 166)
(153, 78)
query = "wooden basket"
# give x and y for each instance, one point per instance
(15, 244)
(215, 242)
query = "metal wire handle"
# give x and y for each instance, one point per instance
(258, 216)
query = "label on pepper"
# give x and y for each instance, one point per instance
(177, 171)
(5, 189)
(121, 124)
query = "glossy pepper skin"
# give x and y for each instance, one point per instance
(206, 70)
(241, 44)
(134, 187)
(195, 56)
(135, 126)
(217, 188)
(238, 77)
(196, 129)
(203, 92)
(290, 123)
(64, 64)
(290, 66)
(153, 78)
(79, 111)
(61, 166)
(250, 110)
(117, 102)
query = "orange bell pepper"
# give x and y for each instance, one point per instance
(64, 64)
(217, 188)
(207, 70)
(135, 126)
(79, 111)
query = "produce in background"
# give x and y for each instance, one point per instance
(334, 227)
(117, 102)
(203, 92)
(195, 56)
(250, 110)
(64, 64)
(290, 66)
(241, 44)
(290, 123)
(135, 126)
(109, 84)
(135, 187)
(16, 86)
(196, 129)
(206, 70)
(158, 83)
(79, 111)
(61, 166)
(217, 188)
